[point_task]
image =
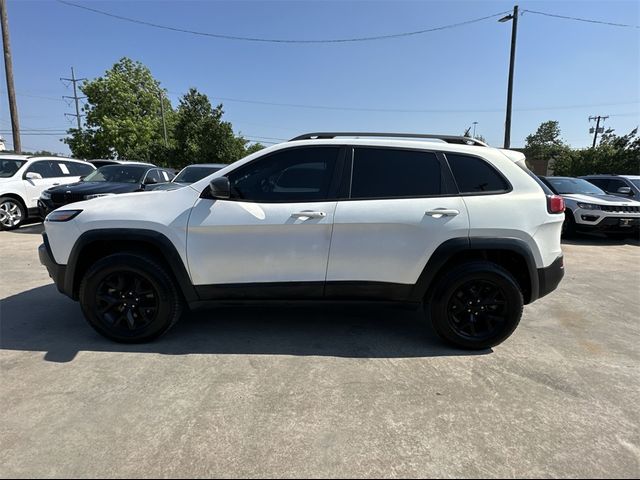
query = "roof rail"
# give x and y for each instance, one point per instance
(445, 138)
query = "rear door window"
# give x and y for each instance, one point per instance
(395, 173)
(46, 169)
(475, 175)
(76, 169)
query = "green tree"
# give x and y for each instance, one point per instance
(614, 154)
(201, 136)
(253, 148)
(545, 144)
(122, 116)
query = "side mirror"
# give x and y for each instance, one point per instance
(220, 188)
(33, 176)
(625, 191)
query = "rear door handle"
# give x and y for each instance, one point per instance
(442, 212)
(55, 184)
(308, 214)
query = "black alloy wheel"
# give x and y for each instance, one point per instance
(130, 297)
(477, 309)
(475, 305)
(127, 301)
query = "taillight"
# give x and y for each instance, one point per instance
(555, 204)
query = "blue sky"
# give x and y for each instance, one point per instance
(565, 70)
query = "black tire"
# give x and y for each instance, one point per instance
(13, 213)
(130, 298)
(479, 329)
(569, 225)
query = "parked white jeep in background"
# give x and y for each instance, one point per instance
(23, 179)
(464, 229)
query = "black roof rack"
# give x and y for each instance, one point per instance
(445, 138)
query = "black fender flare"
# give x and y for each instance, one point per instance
(140, 236)
(455, 246)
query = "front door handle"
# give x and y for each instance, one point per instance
(442, 212)
(308, 214)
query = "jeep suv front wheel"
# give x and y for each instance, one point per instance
(476, 305)
(129, 298)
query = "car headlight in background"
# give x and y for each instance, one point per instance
(588, 206)
(45, 195)
(98, 195)
(62, 215)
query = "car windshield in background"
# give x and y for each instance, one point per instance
(193, 174)
(636, 182)
(574, 185)
(8, 168)
(117, 174)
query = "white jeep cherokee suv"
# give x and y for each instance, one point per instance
(465, 229)
(24, 178)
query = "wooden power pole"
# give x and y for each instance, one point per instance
(8, 68)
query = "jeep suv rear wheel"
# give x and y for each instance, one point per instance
(476, 305)
(129, 298)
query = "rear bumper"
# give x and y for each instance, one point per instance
(549, 277)
(56, 272)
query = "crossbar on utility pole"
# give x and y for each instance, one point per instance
(8, 68)
(75, 97)
(512, 61)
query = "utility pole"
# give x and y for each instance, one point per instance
(514, 32)
(8, 68)
(597, 129)
(164, 124)
(75, 97)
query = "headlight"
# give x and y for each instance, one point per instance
(98, 195)
(62, 215)
(588, 206)
(45, 195)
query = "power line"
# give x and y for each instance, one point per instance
(278, 40)
(577, 19)
(399, 110)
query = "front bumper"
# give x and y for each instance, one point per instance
(603, 221)
(56, 272)
(549, 277)
(45, 207)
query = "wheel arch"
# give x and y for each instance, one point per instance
(512, 254)
(96, 244)
(16, 196)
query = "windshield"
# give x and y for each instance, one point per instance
(8, 168)
(117, 174)
(636, 182)
(193, 174)
(574, 185)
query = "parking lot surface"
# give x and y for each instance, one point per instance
(324, 390)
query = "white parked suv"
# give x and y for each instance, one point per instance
(465, 229)
(23, 179)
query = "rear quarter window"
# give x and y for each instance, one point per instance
(474, 175)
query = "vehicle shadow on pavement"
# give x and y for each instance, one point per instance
(33, 229)
(42, 319)
(600, 240)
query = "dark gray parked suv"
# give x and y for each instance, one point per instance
(620, 185)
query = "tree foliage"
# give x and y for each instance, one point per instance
(201, 136)
(123, 120)
(122, 115)
(545, 143)
(614, 154)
